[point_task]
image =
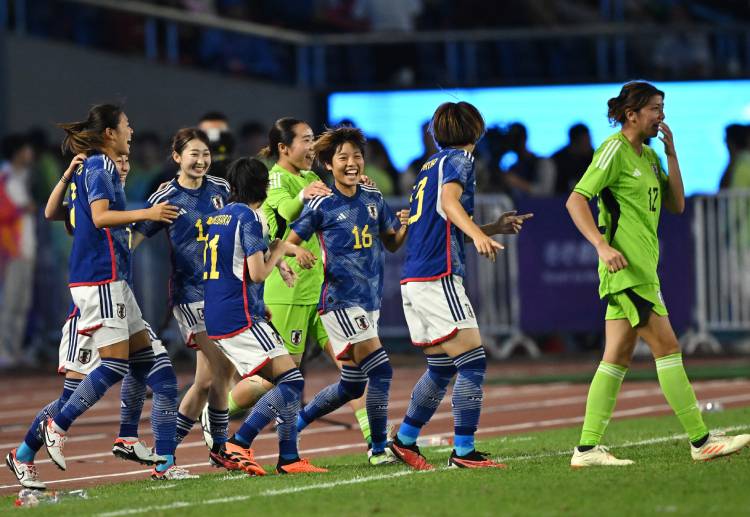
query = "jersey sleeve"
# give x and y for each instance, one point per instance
(457, 167)
(282, 199)
(602, 172)
(309, 220)
(387, 218)
(99, 182)
(251, 236)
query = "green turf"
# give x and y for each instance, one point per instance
(538, 481)
(695, 373)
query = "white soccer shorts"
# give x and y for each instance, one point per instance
(108, 312)
(346, 327)
(436, 310)
(253, 348)
(191, 320)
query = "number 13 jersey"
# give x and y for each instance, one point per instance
(435, 246)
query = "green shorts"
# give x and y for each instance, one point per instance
(295, 323)
(635, 304)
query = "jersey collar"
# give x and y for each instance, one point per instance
(344, 196)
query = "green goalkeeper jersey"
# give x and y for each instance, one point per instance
(630, 190)
(282, 206)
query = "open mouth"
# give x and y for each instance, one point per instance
(351, 173)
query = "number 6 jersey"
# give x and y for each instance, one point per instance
(435, 246)
(349, 231)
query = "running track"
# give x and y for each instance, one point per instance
(507, 409)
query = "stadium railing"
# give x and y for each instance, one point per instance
(722, 252)
(607, 51)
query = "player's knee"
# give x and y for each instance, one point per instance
(163, 382)
(140, 363)
(351, 390)
(472, 364)
(441, 369)
(291, 384)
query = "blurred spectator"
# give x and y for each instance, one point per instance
(736, 138)
(19, 245)
(685, 53)
(221, 141)
(379, 168)
(147, 160)
(572, 160)
(253, 137)
(739, 175)
(530, 175)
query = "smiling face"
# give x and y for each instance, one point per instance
(194, 160)
(123, 167)
(300, 153)
(118, 139)
(347, 166)
(646, 120)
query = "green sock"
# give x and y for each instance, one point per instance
(232, 405)
(680, 395)
(364, 423)
(601, 401)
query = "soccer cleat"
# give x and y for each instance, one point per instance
(599, 456)
(206, 426)
(222, 459)
(136, 451)
(473, 460)
(244, 458)
(718, 445)
(409, 454)
(383, 458)
(299, 466)
(54, 443)
(25, 473)
(173, 473)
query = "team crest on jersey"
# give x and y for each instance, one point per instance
(121, 313)
(218, 202)
(296, 337)
(84, 356)
(200, 314)
(362, 322)
(372, 209)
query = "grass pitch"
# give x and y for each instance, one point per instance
(538, 481)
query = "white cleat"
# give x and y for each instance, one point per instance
(25, 473)
(173, 473)
(599, 456)
(384, 458)
(136, 451)
(54, 443)
(206, 426)
(718, 445)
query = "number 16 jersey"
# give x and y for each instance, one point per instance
(435, 246)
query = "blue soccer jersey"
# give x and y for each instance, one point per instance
(187, 235)
(232, 301)
(435, 246)
(349, 230)
(99, 255)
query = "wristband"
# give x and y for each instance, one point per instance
(64, 180)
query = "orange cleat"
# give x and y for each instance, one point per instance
(409, 454)
(245, 459)
(299, 466)
(473, 460)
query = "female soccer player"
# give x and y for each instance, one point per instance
(439, 315)
(238, 260)
(195, 194)
(293, 309)
(99, 265)
(627, 176)
(353, 225)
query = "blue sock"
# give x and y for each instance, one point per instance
(351, 386)
(379, 373)
(426, 397)
(132, 397)
(91, 389)
(467, 398)
(291, 385)
(219, 421)
(164, 466)
(274, 404)
(163, 383)
(184, 425)
(33, 440)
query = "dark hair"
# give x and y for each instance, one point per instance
(185, 135)
(737, 135)
(331, 141)
(282, 132)
(577, 130)
(12, 144)
(456, 124)
(213, 115)
(88, 135)
(248, 180)
(633, 96)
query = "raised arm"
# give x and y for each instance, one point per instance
(674, 197)
(55, 209)
(392, 239)
(103, 217)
